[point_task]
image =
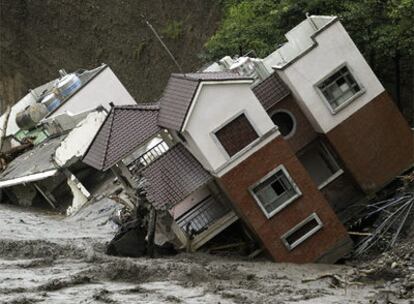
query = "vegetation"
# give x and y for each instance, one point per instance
(382, 29)
(173, 30)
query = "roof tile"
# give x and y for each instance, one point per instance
(125, 129)
(271, 90)
(179, 93)
(173, 177)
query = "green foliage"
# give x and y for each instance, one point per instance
(380, 28)
(173, 30)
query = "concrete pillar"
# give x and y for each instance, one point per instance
(80, 194)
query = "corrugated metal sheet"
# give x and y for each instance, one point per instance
(34, 162)
(125, 129)
(173, 177)
(271, 90)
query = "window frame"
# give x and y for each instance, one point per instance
(346, 102)
(225, 123)
(284, 204)
(329, 158)
(306, 236)
(291, 133)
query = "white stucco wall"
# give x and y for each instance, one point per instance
(215, 106)
(78, 140)
(334, 47)
(101, 90)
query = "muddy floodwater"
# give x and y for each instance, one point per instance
(48, 258)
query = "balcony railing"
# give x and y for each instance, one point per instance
(197, 219)
(136, 166)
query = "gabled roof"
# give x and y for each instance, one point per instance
(271, 90)
(179, 93)
(173, 177)
(124, 129)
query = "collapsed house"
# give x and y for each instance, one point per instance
(51, 128)
(285, 144)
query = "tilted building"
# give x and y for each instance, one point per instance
(284, 143)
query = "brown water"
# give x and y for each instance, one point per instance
(46, 258)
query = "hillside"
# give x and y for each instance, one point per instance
(37, 38)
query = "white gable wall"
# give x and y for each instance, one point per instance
(334, 47)
(215, 105)
(101, 90)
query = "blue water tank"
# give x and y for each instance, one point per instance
(51, 101)
(68, 85)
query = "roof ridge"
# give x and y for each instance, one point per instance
(109, 137)
(147, 106)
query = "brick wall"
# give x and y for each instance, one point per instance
(375, 144)
(236, 183)
(304, 133)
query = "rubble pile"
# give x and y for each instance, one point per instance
(393, 268)
(393, 217)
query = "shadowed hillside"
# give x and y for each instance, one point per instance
(37, 38)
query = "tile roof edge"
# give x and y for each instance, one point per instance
(189, 106)
(94, 139)
(147, 106)
(108, 140)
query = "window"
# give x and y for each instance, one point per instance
(236, 135)
(320, 164)
(339, 88)
(285, 122)
(275, 191)
(302, 231)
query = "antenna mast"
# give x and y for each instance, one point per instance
(163, 44)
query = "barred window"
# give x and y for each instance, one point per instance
(339, 88)
(236, 135)
(275, 191)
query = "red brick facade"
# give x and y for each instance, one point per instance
(375, 143)
(327, 245)
(304, 133)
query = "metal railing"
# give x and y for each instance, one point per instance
(198, 218)
(147, 158)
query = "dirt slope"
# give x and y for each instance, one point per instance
(39, 37)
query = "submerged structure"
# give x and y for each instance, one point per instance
(47, 132)
(285, 144)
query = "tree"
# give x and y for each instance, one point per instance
(383, 30)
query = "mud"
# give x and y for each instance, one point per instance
(46, 258)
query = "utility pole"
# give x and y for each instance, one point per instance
(163, 44)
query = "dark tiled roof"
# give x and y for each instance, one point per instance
(211, 76)
(179, 93)
(271, 90)
(125, 129)
(173, 177)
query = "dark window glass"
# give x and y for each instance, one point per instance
(302, 231)
(319, 162)
(236, 135)
(284, 121)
